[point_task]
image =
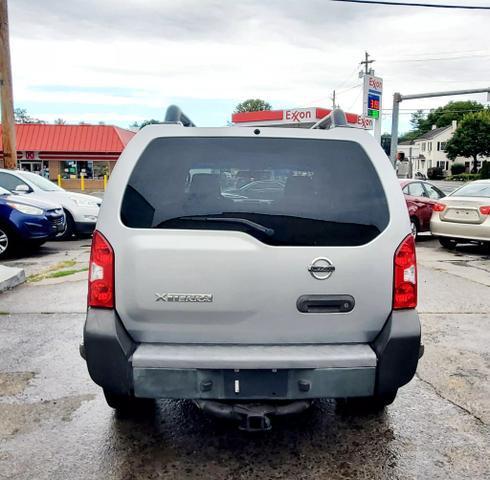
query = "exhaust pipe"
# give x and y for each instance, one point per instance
(252, 417)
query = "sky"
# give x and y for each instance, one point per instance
(121, 61)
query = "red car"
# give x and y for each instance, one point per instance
(420, 197)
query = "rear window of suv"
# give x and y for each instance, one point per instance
(294, 192)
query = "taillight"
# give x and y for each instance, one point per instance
(438, 207)
(485, 210)
(405, 275)
(101, 273)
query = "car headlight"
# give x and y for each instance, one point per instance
(27, 209)
(84, 203)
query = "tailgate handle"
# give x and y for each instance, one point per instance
(325, 303)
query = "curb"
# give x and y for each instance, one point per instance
(11, 277)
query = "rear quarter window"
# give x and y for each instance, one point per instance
(296, 192)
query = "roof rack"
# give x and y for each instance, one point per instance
(175, 115)
(336, 118)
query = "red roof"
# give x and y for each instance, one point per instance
(70, 138)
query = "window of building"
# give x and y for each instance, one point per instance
(100, 169)
(75, 169)
(429, 146)
(423, 146)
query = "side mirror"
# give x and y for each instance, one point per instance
(22, 188)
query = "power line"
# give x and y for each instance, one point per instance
(452, 52)
(404, 4)
(357, 98)
(436, 59)
(348, 78)
(348, 89)
(430, 110)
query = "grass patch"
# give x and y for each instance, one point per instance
(64, 273)
(60, 269)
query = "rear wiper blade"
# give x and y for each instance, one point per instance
(257, 226)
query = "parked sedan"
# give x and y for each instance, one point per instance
(463, 216)
(421, 198)
(27, 222)
(81, 210)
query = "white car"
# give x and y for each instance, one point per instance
(463, 216)
(81, 210)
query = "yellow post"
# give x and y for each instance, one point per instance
(59, 180)
(105, 182)
(82, 182)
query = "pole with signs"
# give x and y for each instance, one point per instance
(372, 102)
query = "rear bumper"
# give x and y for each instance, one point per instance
(464, 231)
(290, 372)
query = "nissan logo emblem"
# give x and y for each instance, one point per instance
(321, 268)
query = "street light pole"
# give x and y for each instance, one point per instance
(6, 96)
(398, 98)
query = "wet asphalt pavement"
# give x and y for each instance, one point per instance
(54, 423)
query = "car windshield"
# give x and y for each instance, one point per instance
(41, 182)
(281, 191)
(473, 190)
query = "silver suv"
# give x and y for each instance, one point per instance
(252, 301)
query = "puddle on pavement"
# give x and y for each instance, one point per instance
(13, 383)
(25, 417)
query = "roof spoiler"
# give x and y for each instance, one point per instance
(336, 118)
(175, 115)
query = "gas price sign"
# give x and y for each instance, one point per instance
(373, 90)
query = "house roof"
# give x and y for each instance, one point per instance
(432, 133)
(70, 138)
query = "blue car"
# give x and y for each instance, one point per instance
(27, 222)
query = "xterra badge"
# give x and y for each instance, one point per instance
(184, 297)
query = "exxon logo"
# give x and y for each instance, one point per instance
(297, 115)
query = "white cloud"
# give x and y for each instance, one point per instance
(286, 52)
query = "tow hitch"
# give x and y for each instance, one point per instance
(252, 417)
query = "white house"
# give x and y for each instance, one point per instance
(428, 151)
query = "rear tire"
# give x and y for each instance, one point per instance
(414, 227)
(128, 404)
(448, 243)
(70, 230)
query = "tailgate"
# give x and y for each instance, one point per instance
(227, 287)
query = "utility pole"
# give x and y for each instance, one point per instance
(366, 63)
(398, 98)
(334, 106)
(6, 97)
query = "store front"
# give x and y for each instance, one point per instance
(68, 153)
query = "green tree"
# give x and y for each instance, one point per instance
(144, 123)
(21, 116)
(471, 138)
(252, 105)
(60, 121)
(440, 117)
(485, 170)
